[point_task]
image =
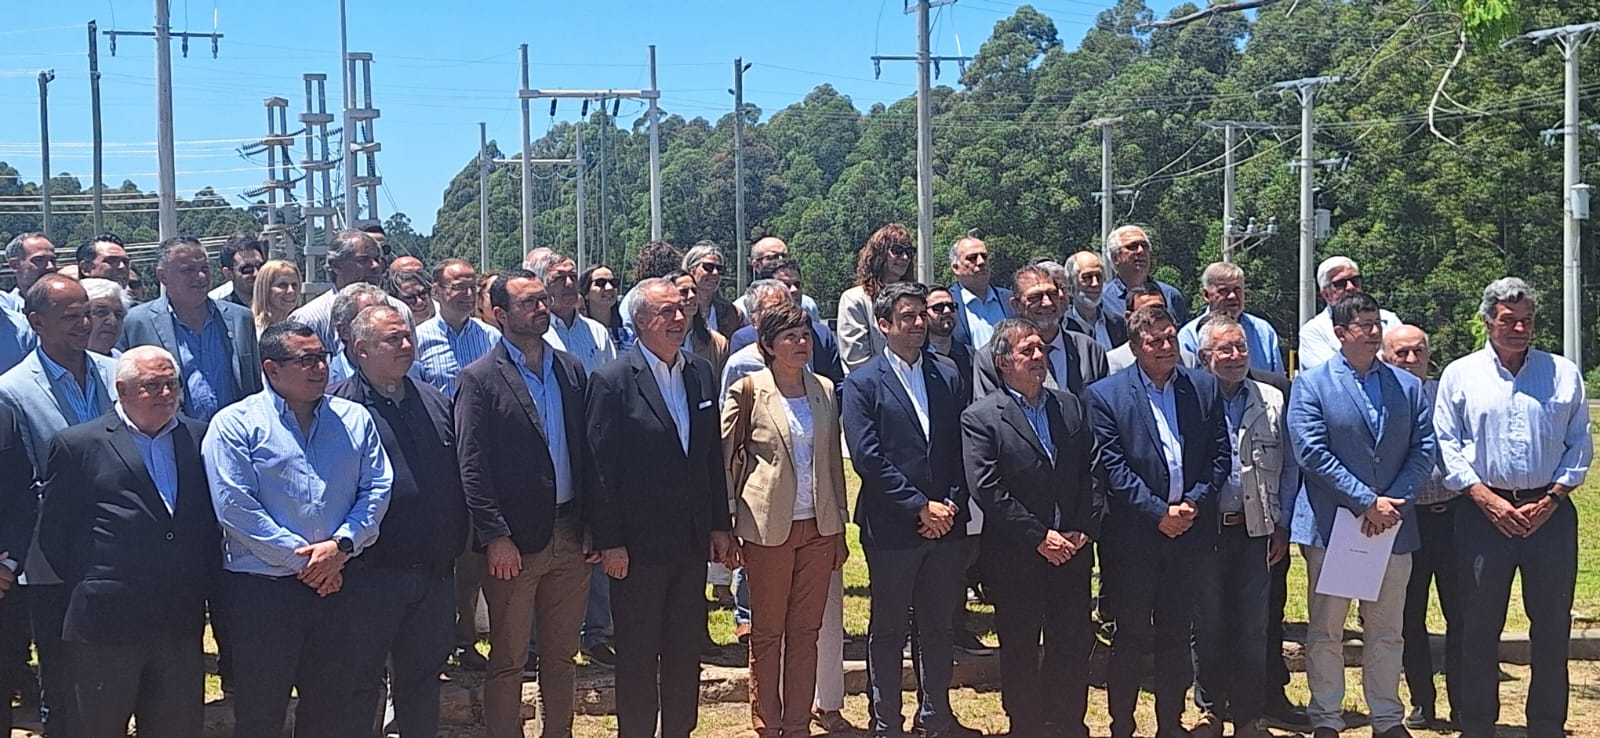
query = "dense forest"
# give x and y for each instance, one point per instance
(1447, 182)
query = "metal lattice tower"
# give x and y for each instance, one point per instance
(364, 146)
(279, 178)
(318, 165)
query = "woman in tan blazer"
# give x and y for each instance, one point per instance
(780, 441)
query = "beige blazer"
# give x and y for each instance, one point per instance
(759, 459)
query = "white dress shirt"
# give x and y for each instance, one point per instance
(911, 379)
(670, 379)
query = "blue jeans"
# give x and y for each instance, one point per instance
(1230, 630)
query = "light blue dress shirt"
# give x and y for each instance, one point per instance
(983, 314)
(1512, 432)
(1372, 388)
(276, 489)
(1164, 406)
(442, 352)
(340, 367)
(158, 456)
(585, 339)
(1098, 325)
(1231, 498)
(1038, 418)
(545, 389)
(207, 361)
(85, 402)
(1259, 335)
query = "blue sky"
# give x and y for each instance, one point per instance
(440, 68)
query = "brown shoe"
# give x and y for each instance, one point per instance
(832, 721)
(741, 631)
(1207, 726)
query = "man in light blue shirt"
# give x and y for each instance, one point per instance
(980, 306)
(300, 483)
(449, 341)
(569, 330)
(1513, 426)
(347, 304)
(30, 256)
(1132, 257)
(1222, 286)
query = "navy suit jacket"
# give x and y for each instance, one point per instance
(150, 324)
(900, 468)
(963, 332)
(1347, 463)
(1136, 471)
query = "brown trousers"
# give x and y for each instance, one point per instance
(788, 591)
(552, 588)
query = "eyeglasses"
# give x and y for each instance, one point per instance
(904, 252)
(1365, 326)
(604, 282)
(942, 307)
(530, 303)
(465, 288)
(1231, 349)
(416, 298)
(1345, 282)
(247, 268)
(305, 361)
(157, 387)
(1139, 245)
(710, 267)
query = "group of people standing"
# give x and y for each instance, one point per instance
(334, 485)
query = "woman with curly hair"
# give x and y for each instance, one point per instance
(886, 258)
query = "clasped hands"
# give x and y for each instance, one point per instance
(1514, 521)
(1179, 519)
(936, 518)
(324, 567)
(1058, 548)
(1381, 515)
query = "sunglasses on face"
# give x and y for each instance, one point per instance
(1345, 282)
(941, 308)
(903, 251)
(1136, 246)
(247, 268)
(604, 282)
(710, 267)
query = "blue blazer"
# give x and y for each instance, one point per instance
(1344, 461)
(900, 468)
(150, 324)
(962, 333)
(1136, 471)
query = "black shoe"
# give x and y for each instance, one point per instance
(467, 657)
(969, 643)
(1280, 713)
(530, 670)
(601, 654)
(1420, 718)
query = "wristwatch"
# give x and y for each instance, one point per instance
(346, 546)
(1553, 495)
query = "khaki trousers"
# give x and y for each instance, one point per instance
(788, 591)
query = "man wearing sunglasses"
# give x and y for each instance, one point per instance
(242, 254)
(1337, 277)
(1132, 258)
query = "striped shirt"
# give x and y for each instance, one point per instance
(584, 338)
(442, 352)
(318, 315)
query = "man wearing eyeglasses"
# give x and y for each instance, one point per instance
(1337, 277)
(1363, 432)
(415, 289)
(980, 306)
(1222, 286)
(241, 255)
(1073, 360)
(1132, 258)
(571, 331)
(300, 482)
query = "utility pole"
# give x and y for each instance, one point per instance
(1230, 233)
(927, 65)
(358, 138)
(1570, 40)
(739, 238)
(166, 178)
(318, 166)
(527, 95)
(45, 78)
(276, 144)
(582, 166)
(483, 196)
(1107, 193)
(347, 124)
(94, 119)
(1306, 90)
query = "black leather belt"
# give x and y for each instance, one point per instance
(1232, 519)
(1519, 496)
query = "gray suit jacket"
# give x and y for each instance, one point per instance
(150, 324)
(26, 389)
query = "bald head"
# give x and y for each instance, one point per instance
(1087, 274)
(767, 250)
(1406, 347)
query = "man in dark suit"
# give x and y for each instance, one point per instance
(660, 512)
(901, 417)
(19, 506)
(1086, 280)
(519, 425)
(1072, 359)
(214, 341)
(980, 306)
(942, 343)
(1030, 455)
(1164, 443)
(126, 520)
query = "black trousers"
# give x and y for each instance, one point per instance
(1548, 561)
(1154, 591)
(15, 634)
(160, 681)
(47, 610)
(1435, 563)
(1277, 668)
(1230, 630)
(413, 632)
(283, 636)
(1033, 598)
(659, 613)
(925, 579)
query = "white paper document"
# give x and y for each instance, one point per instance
(1354, 565)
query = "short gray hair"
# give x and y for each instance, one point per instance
(641, 306)
(1325, 269)
(1114, 238)
(171, 247)
(1214, 324)
(1505, 289)
(1218, 271)
(1059, 275)
(100, 288)
(364, 327)
(541, 261)
(759, 289)
(14, 248)
(128, 362)
(698, 253)
(344, 304)
(1071, 265)
(344, 243)
(1007, 334)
